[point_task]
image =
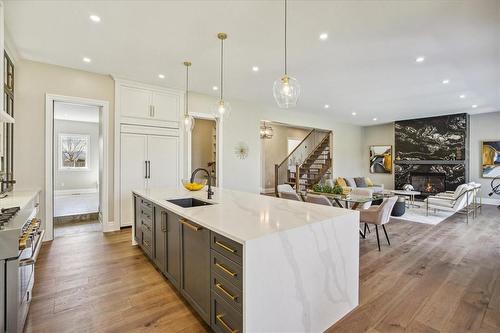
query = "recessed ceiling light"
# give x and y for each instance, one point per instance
(354, 113)
(95, 18)
(326, 106)
(420, 59)
(161, 76)
(445, 81)
(215, 88)
(474, 106)
(85, 59)
(255, 68)
(375, 119)
(323, 36)
(462, 96)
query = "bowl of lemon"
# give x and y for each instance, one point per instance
(196, 185)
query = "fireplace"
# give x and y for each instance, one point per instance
(428, 183)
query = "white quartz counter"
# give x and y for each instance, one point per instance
(18, 198)
(243, 216)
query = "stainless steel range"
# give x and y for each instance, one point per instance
(20, 243)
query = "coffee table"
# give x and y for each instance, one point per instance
(410, 194)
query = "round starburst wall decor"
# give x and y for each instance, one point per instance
(241, 150)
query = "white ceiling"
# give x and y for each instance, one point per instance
(76, 112)
(367, 65)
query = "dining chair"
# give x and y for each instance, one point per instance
(290, 196)
(379, 215)
(318, 199)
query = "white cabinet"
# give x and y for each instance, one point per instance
(133, 172)
(146, 161)
(135, 102)
(146, 105)
(165, 106)
(148, 142)
(163, 152)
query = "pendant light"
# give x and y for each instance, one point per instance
(286, 89)
(188, 119)
(222, 108)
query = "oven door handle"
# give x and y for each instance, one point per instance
(32, 260)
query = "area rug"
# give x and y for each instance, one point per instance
(418, 214)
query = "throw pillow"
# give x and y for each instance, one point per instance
(368, 181)
(350, 182)
(341, 182)
(360, 182)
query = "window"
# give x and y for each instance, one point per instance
(74, 151)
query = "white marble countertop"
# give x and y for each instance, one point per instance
(242, 216)
(18, 198)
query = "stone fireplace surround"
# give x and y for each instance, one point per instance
(437, 146)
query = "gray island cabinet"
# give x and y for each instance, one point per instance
(203, 265)
(251, 263)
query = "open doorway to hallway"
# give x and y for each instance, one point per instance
(77, 161)
(293, 157)
(204, 150)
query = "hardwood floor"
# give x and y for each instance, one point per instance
(443, 278)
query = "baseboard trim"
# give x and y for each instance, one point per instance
(490, 201)
(267, 190)
(75, 191)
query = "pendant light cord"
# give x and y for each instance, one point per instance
(187, 91)
(285, 37)
(221, 69)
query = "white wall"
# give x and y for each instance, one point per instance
(33, 81)
(243, 125)
(65, 179)
(375, 136)
(483, 127)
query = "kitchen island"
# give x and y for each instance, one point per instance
(252, 263)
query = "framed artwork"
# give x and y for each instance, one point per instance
(490, 167)
(74, 151)
(381, 159)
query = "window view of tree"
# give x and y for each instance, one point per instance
(74, 151)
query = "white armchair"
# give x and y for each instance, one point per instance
(457, 201)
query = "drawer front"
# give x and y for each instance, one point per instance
(146, 204)
(226, 268)
(224, 318)
(147, 226)
(227, 247)
(147, 243)
(227, 291)
(146, 213)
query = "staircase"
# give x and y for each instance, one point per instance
(307, 164)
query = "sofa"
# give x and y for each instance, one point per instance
(348, 183)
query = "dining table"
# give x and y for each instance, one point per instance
(350, 201)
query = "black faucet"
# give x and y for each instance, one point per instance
(210, 192)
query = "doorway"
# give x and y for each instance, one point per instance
(203, 144)
(76, 166)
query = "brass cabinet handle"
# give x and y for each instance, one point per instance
(227, 293)
(163, 221)
(225, 247)
(226, 326)
(225, 270)
(190, 226)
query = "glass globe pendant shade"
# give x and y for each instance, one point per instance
(222, 109)
(188, 123)
(286, 91)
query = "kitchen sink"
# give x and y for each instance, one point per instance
(189, 202)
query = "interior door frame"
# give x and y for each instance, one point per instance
(50, 99)
(218, 128)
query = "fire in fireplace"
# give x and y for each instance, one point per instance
(428, 183)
